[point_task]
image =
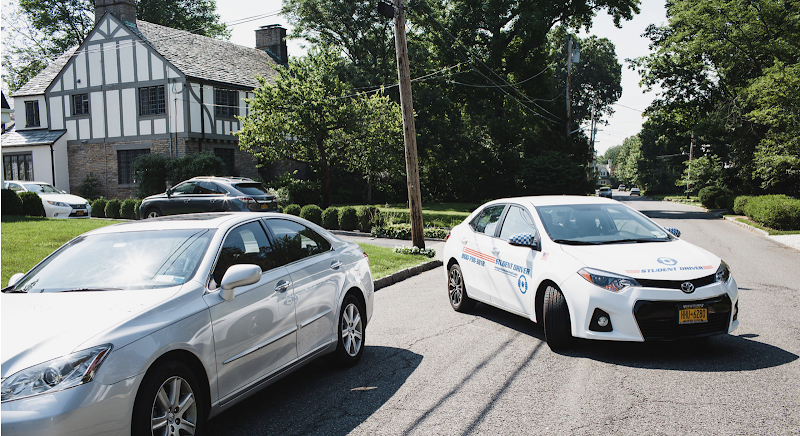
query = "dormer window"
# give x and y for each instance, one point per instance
(226, 103)
(32, 114)
(80, 104)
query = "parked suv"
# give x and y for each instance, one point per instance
(210, 194)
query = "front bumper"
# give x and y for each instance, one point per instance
(646, 313)
(67, 211)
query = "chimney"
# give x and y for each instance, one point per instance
(272, 39)
(125, 10)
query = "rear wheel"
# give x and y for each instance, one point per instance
(169, 403)
(457, 290)
(153, 212)
(557, 329)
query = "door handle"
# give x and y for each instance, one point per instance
(464, 241)
(495, 251)
(336, 264)
(186, 201)
(282, 286)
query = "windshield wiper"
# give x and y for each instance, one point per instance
(573, 242)
(623, 241)
(92, 289)
(11, 290)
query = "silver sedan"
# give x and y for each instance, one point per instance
(153, 327)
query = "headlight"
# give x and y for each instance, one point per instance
(607, 280)
(58, 203)
(56, 375)
(723, 272)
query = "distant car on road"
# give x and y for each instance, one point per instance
(588, 267)
(57, 203)
(210, 194)
(604, 192)
(635, 191)
(622, 188)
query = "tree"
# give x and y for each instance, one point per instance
(311, 116)
(43, 29)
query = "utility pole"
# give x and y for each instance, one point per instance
(409, 131)
(569, 77)
(689, 174)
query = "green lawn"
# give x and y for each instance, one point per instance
(26, 241)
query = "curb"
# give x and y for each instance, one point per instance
(403, 274)
(747, 226)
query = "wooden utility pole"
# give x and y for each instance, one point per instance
(569, 77)
(409, 131)
(689, 174)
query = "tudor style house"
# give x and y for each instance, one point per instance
(131, 88)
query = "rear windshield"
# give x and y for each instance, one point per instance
(251, 189)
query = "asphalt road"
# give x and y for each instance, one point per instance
(428, 370)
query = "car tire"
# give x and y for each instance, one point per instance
(350, 333)
(175, 383)
(457, 290)
(557, 326)
(153, 212)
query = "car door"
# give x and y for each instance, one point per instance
(511, 274)
(207, 197)
(255, 334)
(317, 276)
(179, 201)
(476, 252)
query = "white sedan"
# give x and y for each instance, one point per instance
(151, 327)
(57, 203)
(588, 267)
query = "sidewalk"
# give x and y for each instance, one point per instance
(792, 241)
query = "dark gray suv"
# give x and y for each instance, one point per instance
(210, 194)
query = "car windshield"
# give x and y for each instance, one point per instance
(120, 261)
(594, 224)
(251, 189)
(41, 188)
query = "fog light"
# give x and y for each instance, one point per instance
(602, 321)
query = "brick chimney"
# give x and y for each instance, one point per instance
(125, 10)
(272, 39)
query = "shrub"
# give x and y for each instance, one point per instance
(725, 202)
(151, 170)
(31, 204)
(112, 208)
(348, 218)
(708, 196)
(330, 218)
(136, 208)
(312, 212)
(368, 217)
(128, 209)
(89, 187)
(740, 203)
(99, 208)
(427, 252)
(11, 203)
(292, 209)
(403, 231)
(779, 212)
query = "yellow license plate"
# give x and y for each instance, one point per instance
(80, 212)
(264, 206)
(692, 315)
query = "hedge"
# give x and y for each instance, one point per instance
(312, 212)
(99, 208)
(779, 212)
(112, 208)
(128, 209)
(31, 204)
(740, 203)
(708, 196)
(12, 205)
(330, 218)
(348, 218)
(292, 209)
(368, 217)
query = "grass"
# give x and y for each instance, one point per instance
(383, 261)
(772, 232)
(693, 199)
(433, 214)
(27, 240)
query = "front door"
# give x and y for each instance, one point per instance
(477, 258)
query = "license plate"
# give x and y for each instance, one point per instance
(264, 206)
(80, 212)
(693, 314)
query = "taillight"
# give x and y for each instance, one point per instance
(245, 199)
(448, 236)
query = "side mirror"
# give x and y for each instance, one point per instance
(15, 279)
(525, 240)
(169, 193)
(674, 231)
(239, 275)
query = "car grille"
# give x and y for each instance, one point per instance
(78, 206)
(659, 319)
(676, 284)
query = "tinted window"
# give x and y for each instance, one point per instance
(295, 241)
(185, 188)
(247, 244)
(250, 188)
(208, 188)
(517, 221)
(486, 221)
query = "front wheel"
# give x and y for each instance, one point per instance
(351, 333)
(557, 326)
(169, 403)
(153, 212)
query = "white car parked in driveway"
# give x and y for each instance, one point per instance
(588, 267)
(57, 203)
(151, 327)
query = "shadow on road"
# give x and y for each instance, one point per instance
(319, 398)
(679, 215)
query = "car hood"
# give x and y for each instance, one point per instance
(157, 196)
(673, 260)
(64, 198)
(40, 327)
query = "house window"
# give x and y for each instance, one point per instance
(227, 156)
(31, 114)
(125, 160)
(80, 104)
(226, 103)
(18, 167)
(152, 101)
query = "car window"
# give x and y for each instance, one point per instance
(41, 188)
(598, 224)
(517, 221)
(246, 244)
(486, 221)
(294, 241)
(208, 188)
(14, 187)
(185, 188)
(250, 188)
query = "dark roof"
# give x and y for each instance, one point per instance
(207, 58)
(41, 81)
(5, 102)
(19, 138)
